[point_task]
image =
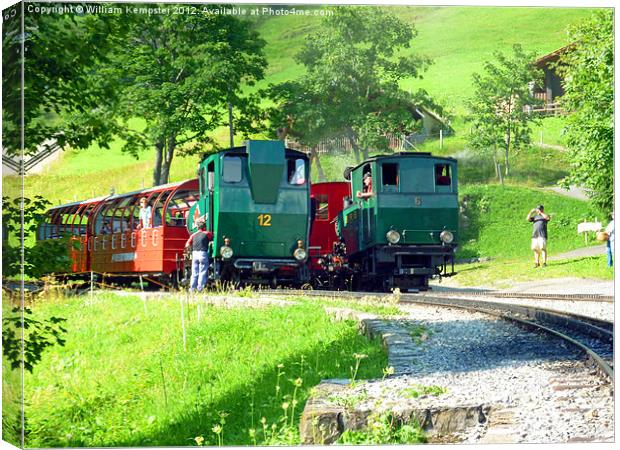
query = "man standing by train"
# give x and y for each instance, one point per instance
(199, 243)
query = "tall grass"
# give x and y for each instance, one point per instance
(124, 379)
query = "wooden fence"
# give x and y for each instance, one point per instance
(343, 144)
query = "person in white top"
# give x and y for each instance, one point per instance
(146, 214)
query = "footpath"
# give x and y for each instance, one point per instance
(566, 285)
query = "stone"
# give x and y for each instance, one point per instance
(322, 421)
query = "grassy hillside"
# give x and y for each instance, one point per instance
(497, 226)
(459, 39)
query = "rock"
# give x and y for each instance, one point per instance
(322, 422)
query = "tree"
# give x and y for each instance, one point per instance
(179, 73)
(20, 220)
(352, 82)
(588, 69)
(500, 109)
(63, 98)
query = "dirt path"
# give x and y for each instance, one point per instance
(573, 192)
(580, 253)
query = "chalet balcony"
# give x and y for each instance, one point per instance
(546, 106)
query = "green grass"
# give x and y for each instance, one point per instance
(11, 389)
(461, 39)
(549, 132)
(504, 273)
(124, 378)
(497, 226)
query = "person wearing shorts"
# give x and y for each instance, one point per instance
(539, 234)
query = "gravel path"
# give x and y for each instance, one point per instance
(572, 192)
(541, 389)
(580, 253)
(566, 285)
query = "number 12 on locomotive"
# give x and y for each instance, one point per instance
(264, 220)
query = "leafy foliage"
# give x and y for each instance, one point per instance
(588, 69)
(63, 98)
(179, 72)
(499, 107)
(38, 335)
(354, 66)
(42, 258)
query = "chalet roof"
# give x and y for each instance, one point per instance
(553, 56)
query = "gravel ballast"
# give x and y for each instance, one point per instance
(538, 389)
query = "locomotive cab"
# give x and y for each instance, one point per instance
(256, 201)
(402, 227)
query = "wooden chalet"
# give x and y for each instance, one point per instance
(553, 87)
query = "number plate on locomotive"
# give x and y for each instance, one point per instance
(258, 266)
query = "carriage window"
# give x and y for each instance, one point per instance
(389, 175)
(232, 169)
(442, 175)
(296, 173)
(178, 208)
(49, 229)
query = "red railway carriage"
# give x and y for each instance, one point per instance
(112, 238)
(328, 200)
(325, 263)
(71, 220)
(120, 243)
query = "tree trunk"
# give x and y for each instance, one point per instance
(497, 174)
(165, 167)
(314, 155)
(353, 141)
(365, 153)
(159, 151)
(507, 148)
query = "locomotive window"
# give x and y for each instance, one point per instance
(211, 176)
(442, 175)
(389, 176)
(203, 180)
(296, 173)
(232, 169)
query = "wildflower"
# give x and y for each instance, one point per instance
(359, 356)
(280, 366)
(217, 429)
(199, 440)
(388, 371)
(252, 432)
(285, 406)
(298, 382)
(263, 420)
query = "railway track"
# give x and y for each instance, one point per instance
(591, 336)
(525, 296)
